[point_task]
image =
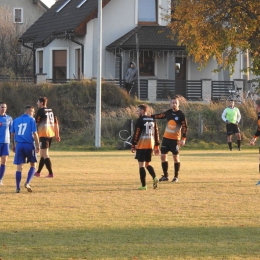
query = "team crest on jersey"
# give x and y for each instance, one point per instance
(176, 118)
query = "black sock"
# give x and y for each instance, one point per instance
(142, 176)
(177, 166)
(151, 171)
(238, 144)
(48, 165)
(230, 145)
(165, 168)
(41, 164)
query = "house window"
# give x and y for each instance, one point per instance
(147, 11)
(146, 64)
(59, 64)
(40, 61)
(18, 15)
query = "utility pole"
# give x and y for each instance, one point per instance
(99, 73)
(137, 64)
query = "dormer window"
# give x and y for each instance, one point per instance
(147, 11)
(18, 15)
(60, 8)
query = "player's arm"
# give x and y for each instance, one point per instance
(13, 142)
(159, 116)
(223, 116)
(137, 133)
(156, 139)
(36, 140)
(238, 116)
(184, 127)
(257, 133)
(57, 129)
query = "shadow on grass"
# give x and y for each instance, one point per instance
(133, 243)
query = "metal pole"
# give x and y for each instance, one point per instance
(137, 64)
(99, 72)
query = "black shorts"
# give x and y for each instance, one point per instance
(169, 145)
(45, 142)
(143, 155)
(232, 129)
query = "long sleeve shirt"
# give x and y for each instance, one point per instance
(231, 115)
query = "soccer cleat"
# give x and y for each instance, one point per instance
(155, 182)
(18, 190)
(230, 149)
(163, 178)
(1, 182)
(49, 176)
(142, 188)
(258, 183)
(28, 187)
(175, 179)
(37, 174)
(238, 149)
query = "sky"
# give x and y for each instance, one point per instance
(49, 3)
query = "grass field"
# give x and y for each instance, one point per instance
(92, 210)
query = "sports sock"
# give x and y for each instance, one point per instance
(48, 165)
(165, 168)
(30, 174)
(177, 166)
(2, 171)
(41, 164)
(151, 171)
(142, 176)
(238, 144)
(230, 145)
(18, 177)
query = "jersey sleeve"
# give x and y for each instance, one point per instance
(156, 134)
(137, 131)
(159, 116)
(184, 127)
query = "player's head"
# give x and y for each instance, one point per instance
(257, 105)
(231, 103)
(175, 103)
(142, 109)
(3, 108)
(42, 102)
(29, 110)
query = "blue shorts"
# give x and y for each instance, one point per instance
(4, 149)
(25, 151)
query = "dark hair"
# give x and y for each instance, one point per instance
(1, 103)
(43, 100)
(175, 97)
(257, 102)
(143, 107)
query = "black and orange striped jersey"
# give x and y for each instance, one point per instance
(146, 134)
(257, 133)
(176, 128)
(46, 120)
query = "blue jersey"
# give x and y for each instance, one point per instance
(23, 127)
(5, 128)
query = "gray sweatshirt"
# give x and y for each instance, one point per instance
(131, 74)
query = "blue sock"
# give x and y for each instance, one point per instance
(18, 177)
(2, 171)
(30, 174)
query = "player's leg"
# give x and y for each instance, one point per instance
(19, 160)
(44, 152)
(176, 160)
(164, 161)
(238, 136)
(140, 156)
(229, 136)
(150, 167)
(4, 155)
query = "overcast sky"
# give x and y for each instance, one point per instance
(49, 3)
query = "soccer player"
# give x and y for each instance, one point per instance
(231, 116)
(174, 136)
(257, 133)
(48, 127)
(145, 139)
(5, 127)
(23, 135)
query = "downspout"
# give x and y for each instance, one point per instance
(82, 54)
(34, 60)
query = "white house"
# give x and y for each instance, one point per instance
(64, 41)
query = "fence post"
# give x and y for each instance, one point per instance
(201, 126)
(152, 87)
(206, 90)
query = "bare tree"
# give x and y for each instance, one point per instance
(14, 59)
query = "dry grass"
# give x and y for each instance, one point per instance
(92, 210)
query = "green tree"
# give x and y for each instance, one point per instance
(218, 29)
